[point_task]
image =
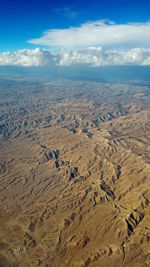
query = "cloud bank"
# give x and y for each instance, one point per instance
(106, 34)
(96, 56)
(26, 57)
(92, 56)
(99, 43)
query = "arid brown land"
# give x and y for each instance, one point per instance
(74, 174)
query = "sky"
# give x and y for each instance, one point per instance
(74, 32)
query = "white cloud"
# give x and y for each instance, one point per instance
(92, 56)
(106, 34)
(95, 56)
(100, 43)
(26, 57)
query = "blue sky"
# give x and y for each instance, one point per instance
(64, 33)
(21, 21)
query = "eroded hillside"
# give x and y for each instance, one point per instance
(74, 174)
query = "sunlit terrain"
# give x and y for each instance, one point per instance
(74, 173)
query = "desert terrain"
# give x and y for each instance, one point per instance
(74, 173)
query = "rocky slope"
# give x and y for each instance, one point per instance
(74, 174)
